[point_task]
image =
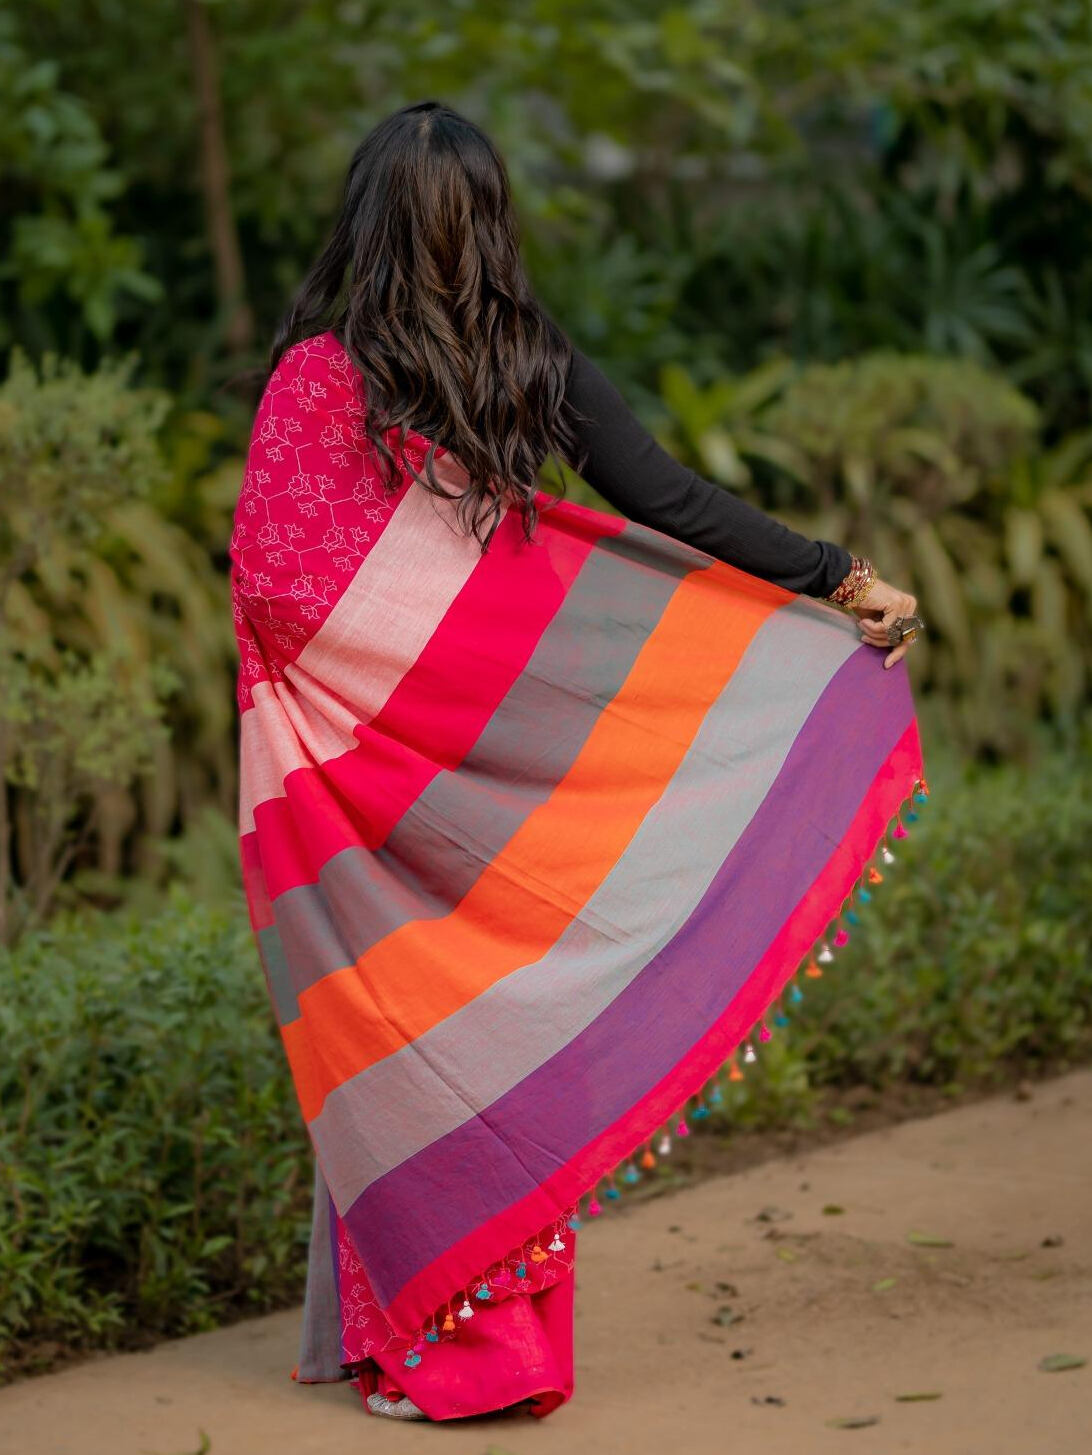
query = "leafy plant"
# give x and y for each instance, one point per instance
(73, 726)
(932, 467)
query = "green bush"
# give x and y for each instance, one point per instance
(154, 1171)
(972, 963)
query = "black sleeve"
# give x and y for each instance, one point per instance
(627, 467)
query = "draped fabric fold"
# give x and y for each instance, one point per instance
(532, 840)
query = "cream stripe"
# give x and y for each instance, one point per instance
(372, 637)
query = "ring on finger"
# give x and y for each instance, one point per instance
(905, 629)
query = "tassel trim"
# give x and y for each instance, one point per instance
(510, 1273)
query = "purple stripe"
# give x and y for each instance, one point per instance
(465, 1178)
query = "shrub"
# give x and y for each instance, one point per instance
(154, 1169)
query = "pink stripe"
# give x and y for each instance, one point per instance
(890, 787)
(377, 629)
(428, 723)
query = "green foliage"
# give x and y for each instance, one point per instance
(154, 1172)
(933, 467)
(73, 724)
(107, 608)
(57, 228)
(971, 965)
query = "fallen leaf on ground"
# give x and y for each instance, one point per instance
(787, 1255)
(1055, 1363)
(727, 1315)
(920, 1394)
(831, 1209)
(928, 1240)
(884, 1284)
(853, 1422)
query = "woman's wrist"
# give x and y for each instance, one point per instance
(855, 584)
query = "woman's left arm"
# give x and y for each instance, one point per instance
(626, 465)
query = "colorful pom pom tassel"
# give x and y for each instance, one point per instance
(750, 1055)
(764, 1032)
(825, 955)
(664, 1146)
(874, 876)
(466, 1312)
(631, 1175)
(887, 856)
(841, 938)
(595, 1207)
(734, 1072)
(682, 1130)
(812, 969)
(900, 831)
(796, 995)
(557, 1246)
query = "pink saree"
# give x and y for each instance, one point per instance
(538, 845)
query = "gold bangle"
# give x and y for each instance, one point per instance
(856, 583)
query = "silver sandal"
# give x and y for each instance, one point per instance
(395, 1409)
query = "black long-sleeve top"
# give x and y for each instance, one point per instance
(629, 469)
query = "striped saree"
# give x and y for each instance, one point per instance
(534, 841)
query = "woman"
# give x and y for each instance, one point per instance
(541, 809)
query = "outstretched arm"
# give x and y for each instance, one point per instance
(627, 467)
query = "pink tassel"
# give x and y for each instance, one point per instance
(842, 937)
(764, 1033)
(900, 832)
(594, 1208)
(682, 1130)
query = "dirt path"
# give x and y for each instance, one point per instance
(841, 1313)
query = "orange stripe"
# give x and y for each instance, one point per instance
(531, 890)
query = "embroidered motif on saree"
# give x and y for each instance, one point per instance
(535, 842)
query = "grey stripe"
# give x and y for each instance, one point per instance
(320, 1333)
(464, 1063)
(524, 750)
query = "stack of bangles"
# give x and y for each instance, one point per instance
(854, 587)
(855, 584)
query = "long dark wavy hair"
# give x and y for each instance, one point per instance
(421, 281)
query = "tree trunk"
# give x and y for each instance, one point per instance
(216, 180)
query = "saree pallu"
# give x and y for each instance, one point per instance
(536, 842)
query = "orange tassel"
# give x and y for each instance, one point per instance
(648, 1159)
(874, 876)
(734, 1072)
(813, 969)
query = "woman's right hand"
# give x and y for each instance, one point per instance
(877, 610)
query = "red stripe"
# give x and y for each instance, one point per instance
(435, 715)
